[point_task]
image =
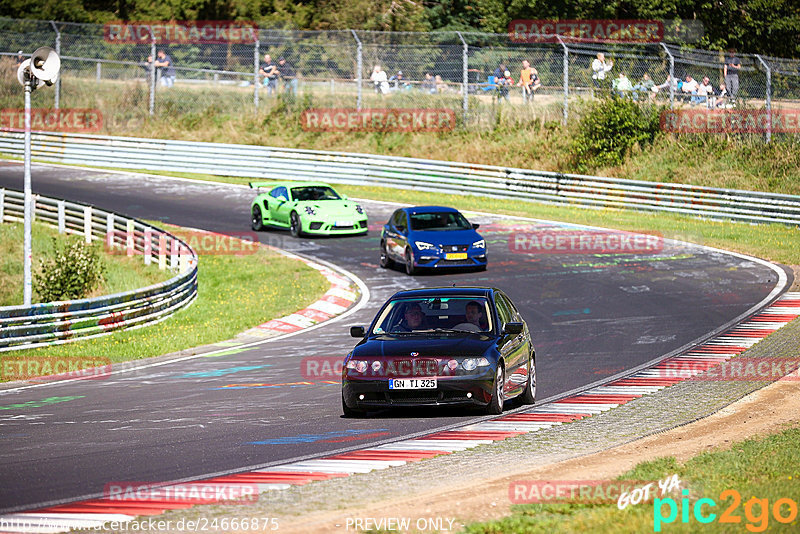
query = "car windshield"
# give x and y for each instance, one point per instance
(440, 220)
(445, 314)
(315, 192)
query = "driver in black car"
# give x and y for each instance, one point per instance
(413, 319)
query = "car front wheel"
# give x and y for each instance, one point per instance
(350, 412)
(529, 395)
(295, 226)
(495, 406)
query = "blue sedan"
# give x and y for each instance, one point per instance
(432, 237)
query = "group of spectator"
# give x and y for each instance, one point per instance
(528, 83)
(282, 71)
(689, 89)
(165, 70)
(384, 84)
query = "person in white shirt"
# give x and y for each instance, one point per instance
(380, 80)
(599, 69)
(704, 90)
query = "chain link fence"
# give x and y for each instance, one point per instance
(363, 70)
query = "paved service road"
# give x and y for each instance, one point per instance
(591, 316)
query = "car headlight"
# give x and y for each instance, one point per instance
(470, 364)
(310, 210)
(359, 209)
(422, 245)
(358, 365)
(479, 244)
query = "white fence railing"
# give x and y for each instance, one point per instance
(407, 173)
(53, 323)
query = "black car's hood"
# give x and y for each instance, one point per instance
(426, 345)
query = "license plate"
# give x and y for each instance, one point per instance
(456, 256)
(412, 383)
(343, 223)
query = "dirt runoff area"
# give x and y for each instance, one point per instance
(766, 411)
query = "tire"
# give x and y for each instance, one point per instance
(529, 395)
(495, 406)
(257, 221)
(295, 226)
(410, 269)
(350, 412)
(385, 261)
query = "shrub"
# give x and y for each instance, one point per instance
(611, 128)
(71, 271)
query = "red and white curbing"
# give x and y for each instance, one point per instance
(95, 512)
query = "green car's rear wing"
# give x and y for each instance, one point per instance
(256, 185)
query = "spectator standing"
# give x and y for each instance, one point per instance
(529, 81)
(288, 75)
(599, 69)
(270, 72)
(503, 84)
(380, 80)
(731, 71)
(20, 58)
(164, 62)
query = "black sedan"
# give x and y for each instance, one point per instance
(441, 346)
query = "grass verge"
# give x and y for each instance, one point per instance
(122, 273)
(761, 471)
(234, 293)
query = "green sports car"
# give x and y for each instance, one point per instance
(308, 208)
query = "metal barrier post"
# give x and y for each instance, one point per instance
(148, 246)
(62, 217)
(256, 58)
(2, 203)
(566, 80)
(465, 86)
(769, 98)
(110, 231)
(57, 98)
(87, 223)
(129, 243)
(152, 71)
(360, 64)
(671, 76)
(162, 252)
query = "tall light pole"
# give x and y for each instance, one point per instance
(44, 66)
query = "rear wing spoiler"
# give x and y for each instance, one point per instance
(256, 185)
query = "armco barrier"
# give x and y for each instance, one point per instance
(50, 323)
(406, 173)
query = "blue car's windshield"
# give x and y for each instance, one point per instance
(441, 220)
(315, 192)
(465, 314)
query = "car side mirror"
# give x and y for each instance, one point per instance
(401, 229)
(282, 199)
(475, 226)
(357, 331)
(512, 329)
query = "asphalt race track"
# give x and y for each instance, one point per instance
(591, 316)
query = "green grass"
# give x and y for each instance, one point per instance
(234, 293)
(764, 468)
(122, 273)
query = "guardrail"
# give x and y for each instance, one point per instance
(51, 323)
(407, 173)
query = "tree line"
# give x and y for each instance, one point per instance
(770, 27)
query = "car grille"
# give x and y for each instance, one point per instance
(455, 248)
(399, 397)
(444, 263)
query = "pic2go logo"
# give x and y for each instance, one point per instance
(756, 511)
